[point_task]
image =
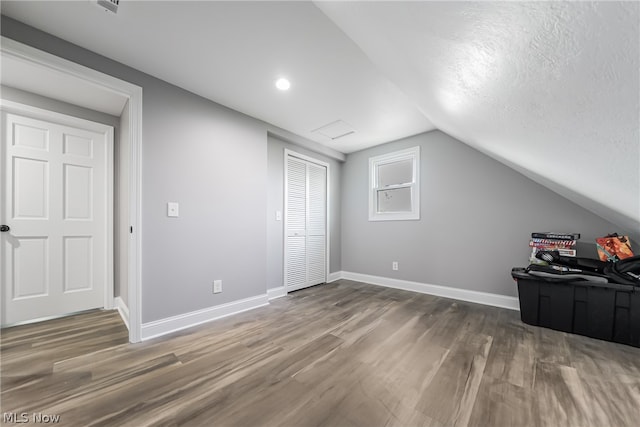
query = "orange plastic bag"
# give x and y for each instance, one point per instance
(613, 247)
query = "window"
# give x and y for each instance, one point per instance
(394, 192)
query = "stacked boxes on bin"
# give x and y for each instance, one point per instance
(564, 243)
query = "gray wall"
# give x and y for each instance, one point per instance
(275, 202)
(211, 160)
(477, 216)
(219, 165)
(122, 234)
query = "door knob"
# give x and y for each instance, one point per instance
(4, 228)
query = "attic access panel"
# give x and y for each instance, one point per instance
(335, 130)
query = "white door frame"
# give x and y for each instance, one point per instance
(75, 122)
(133, 95)
(290, 153)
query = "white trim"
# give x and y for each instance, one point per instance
(278, 292)
(292, 153)
(176, 323)
(107, 133)
(412, 154)
(334, 276)
(134, 284)
(110, 283)
(495, 300)
(122, 309)
(133, 94)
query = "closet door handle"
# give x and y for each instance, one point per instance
(4, 228)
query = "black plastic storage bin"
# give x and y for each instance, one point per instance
(607, 311)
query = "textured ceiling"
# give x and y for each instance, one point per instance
(551, 89)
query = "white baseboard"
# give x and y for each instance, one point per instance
(281, 291)
(495, 300)
(278, 292)
(123, 309)
(172, 324)
(334, 276)
(176, 323)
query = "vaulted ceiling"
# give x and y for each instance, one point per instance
(551, 89)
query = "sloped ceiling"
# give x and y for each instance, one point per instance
(233, 52)
(551, 89)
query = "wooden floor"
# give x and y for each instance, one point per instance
(343, 354)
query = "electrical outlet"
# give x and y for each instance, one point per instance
(394, 265)
(217, 286)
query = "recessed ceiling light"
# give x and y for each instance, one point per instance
(283, 84)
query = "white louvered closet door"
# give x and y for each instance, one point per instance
(316, 224)
(306, 207)
(296, 220)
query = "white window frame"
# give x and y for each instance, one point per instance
(412, 154)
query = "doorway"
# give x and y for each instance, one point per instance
(306, 221)
(30, 69)
(57, 217)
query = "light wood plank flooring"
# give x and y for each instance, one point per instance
(342, 354)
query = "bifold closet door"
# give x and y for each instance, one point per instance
(306, 224)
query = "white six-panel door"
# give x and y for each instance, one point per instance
(305, 224)
(57, 201)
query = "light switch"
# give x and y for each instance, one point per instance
(172, 209)
(278, 215)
